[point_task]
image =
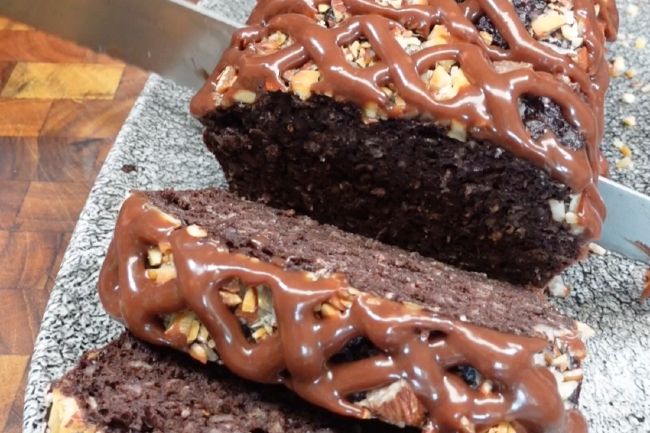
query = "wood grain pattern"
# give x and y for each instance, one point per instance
(62, 81)
(52, 206)
(61, 107)
(12, 194)
(22, 118)
(33, 46)
(28, 258)
(12, 368)
(68, 118)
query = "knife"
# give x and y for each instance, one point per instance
(183, 42)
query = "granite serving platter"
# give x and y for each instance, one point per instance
(164, 144)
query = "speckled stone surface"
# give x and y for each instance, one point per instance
(164, 142)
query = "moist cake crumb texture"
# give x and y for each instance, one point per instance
(444, 128)
(175, 282)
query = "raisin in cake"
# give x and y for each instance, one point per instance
(468, 131)
(359, 328)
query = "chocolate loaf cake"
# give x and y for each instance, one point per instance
(468, 131)
(354, 326)
(130, 386)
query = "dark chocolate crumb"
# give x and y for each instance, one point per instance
(129, 168)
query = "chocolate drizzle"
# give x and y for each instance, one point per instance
(488, 107)
(298, 353)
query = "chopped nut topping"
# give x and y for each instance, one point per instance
(567, 389)
(396, 404)
(557, 288)
(163, 274)
(230, 299)
(245, 96)
(457, 131)
(617, 67)
(624, 163)
(302, 82)
(548, 23)
(597, 249)
(628, 98)
(487, 37)
(439, 36)
(196, 231)
(249, 304)
(224, 82)
(640, 43)
(154, 257)
(504, 427)
(629, 121)
(198, 351)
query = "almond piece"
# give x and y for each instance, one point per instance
(175, 222)
(439, 79)
(546, 24)
(193, 332)
(204, 334)
(438, 36)
(487, 37)
(230, 299)
(196, 231)
(198, 352)
(396, 403)
(166, 272)
(249, 304)
(180, 325)
(225, 80)
(259, 335)
(457, 131)
(245, 96)
(154, 257)
(165, 247)
(503, 427)
(567, 389)
(573, 375)
(328, 311)
(303, 80)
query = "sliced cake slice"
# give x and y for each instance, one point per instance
(130, 386)
(357, 327)
(468, 131)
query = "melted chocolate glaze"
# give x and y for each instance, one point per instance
(299, 353)
(488, 107)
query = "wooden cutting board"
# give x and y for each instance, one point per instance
(61, 107)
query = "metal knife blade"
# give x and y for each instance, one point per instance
(174, 38)
(183, 42)
(627, 227)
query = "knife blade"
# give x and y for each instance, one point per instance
(627, 226)
(174, 38)
(183, 42)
